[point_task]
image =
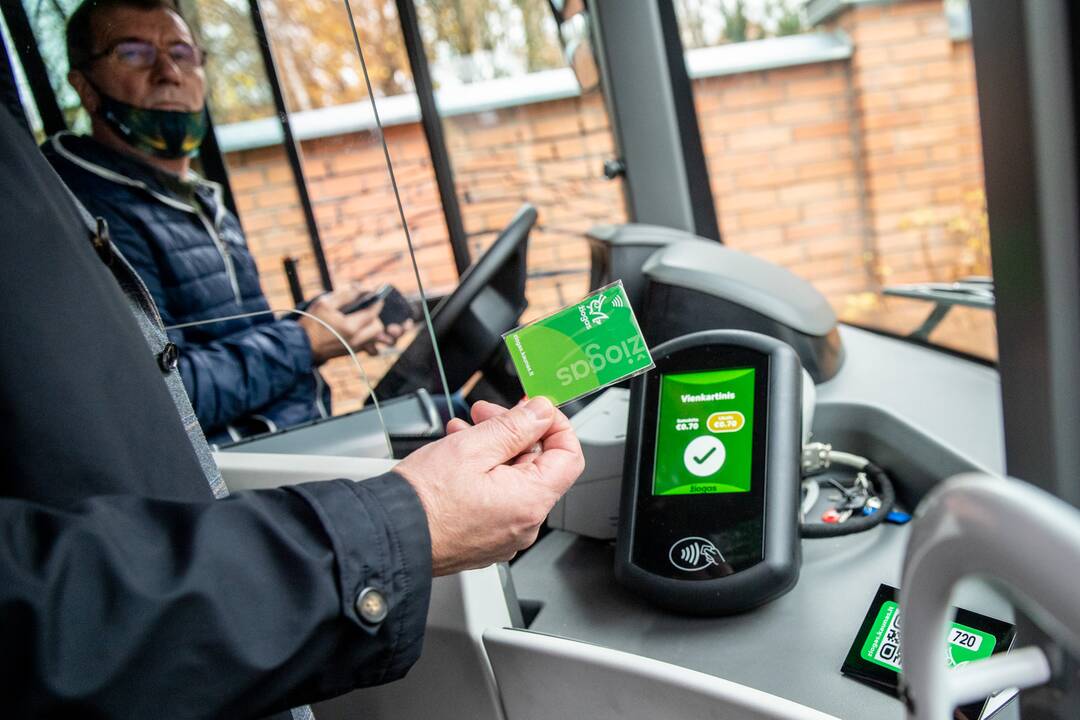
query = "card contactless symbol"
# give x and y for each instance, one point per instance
(580, 349)
(694, 553)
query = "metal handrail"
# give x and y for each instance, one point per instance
(975, 292)
(1004, 530)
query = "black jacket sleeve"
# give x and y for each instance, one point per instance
(132, 607)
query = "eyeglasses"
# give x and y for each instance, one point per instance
(142, 55)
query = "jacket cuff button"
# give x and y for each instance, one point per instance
(169, 357)
(371, 606)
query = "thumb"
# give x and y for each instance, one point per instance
(505, 436)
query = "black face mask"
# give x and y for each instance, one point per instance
(167, 134)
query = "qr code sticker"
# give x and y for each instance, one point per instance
(888, 651)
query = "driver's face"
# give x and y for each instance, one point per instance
(164, 85)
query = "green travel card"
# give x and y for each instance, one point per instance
(580, 349)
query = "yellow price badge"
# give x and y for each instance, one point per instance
(725, 422)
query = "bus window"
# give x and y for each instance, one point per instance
(519, 129)
(355, 227)
(843, 143)
(340, 152)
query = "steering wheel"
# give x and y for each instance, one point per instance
(470, 321)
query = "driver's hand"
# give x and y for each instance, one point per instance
(487, 488)
(360, 330)
(386, 335)
(389, 336)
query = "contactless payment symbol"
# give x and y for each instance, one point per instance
(694, 553)
(704, 456)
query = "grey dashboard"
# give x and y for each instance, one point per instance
(921, 414)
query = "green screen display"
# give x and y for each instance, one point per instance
(705, 432)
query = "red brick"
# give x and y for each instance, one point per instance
(879, 143)
(864, 57)
(830, 209)
(826, 169)
(812, 230)
(933, 177)
(766, 218)
(765, 137)
(806, 111)
(826, 267)
(556, 127)
(725, 163)
(886, 33)
(926, 49)
(834, 85)
(246, 178)
(825, 129)
(906, 159)
(752, 97)
(888, 120)
(918, 8)
(815, 151)
(926, 135)
(726, 122)
(277, 199)
(357, 160)
(891, 76)
(776, 177)
(749, 200)
(809, 191)
(904, 201)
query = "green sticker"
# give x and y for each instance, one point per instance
(581, 348)
(882, 646)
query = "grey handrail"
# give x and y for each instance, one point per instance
(1000, 529)
(975, 292)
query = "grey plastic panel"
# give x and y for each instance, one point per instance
(792, 647)
(357, 434)
(952, 401)
(452, 680)
(639, 234)
(743, 279)
(591, 506)
(542, 677)
(619, 251)
(916, 408)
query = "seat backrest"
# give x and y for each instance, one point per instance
(542, 677)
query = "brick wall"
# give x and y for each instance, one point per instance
(846, 172)
(914, 98)
(551, 155)
(782, 159)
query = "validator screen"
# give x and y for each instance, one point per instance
(705, 432)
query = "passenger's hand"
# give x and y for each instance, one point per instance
(361, 329)
(487, 488)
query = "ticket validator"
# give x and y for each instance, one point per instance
(709, 513)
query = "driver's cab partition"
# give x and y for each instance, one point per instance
(469, 324)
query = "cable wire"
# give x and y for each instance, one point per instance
(886, 493)
(352, 354)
